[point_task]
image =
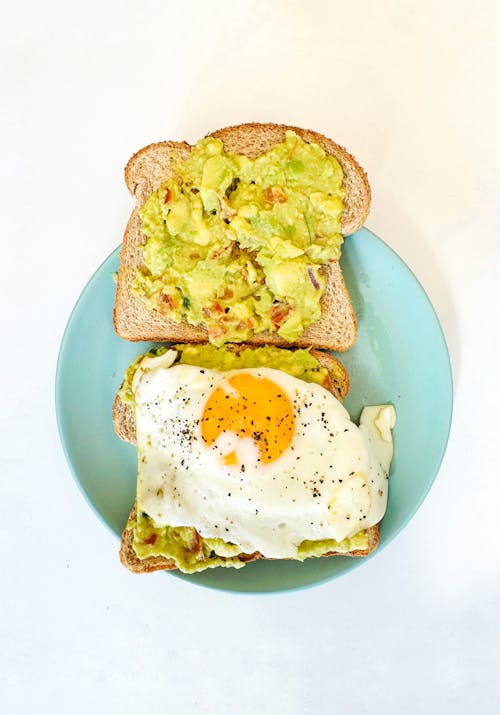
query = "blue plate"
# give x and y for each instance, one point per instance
(386, 365)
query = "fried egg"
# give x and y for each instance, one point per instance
(256, 457)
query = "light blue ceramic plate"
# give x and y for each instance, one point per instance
(386, 365)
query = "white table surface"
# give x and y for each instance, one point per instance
(412, 89)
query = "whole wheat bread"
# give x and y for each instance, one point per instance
(154, 164)
(124, 423)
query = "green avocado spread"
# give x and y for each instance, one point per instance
(193, 553)
(298, 363)
(238, 245)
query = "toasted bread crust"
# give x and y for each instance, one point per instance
(154, 164)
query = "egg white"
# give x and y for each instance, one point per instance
(330, 483)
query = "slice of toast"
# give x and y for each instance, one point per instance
(154, 164)
(124, 424)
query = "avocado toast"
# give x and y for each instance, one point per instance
(238, 239)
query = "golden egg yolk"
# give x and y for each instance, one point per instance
(250, 406)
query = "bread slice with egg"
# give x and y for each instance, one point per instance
(154, 164)
(124, 424)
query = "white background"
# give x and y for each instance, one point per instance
(411, 88)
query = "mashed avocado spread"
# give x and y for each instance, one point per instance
(238, 244)
(298, 363)
(192, 553)
(183, 544)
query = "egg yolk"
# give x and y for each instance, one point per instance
(250, 406)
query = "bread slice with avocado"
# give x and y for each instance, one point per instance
(193, 553)
(246, 250)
